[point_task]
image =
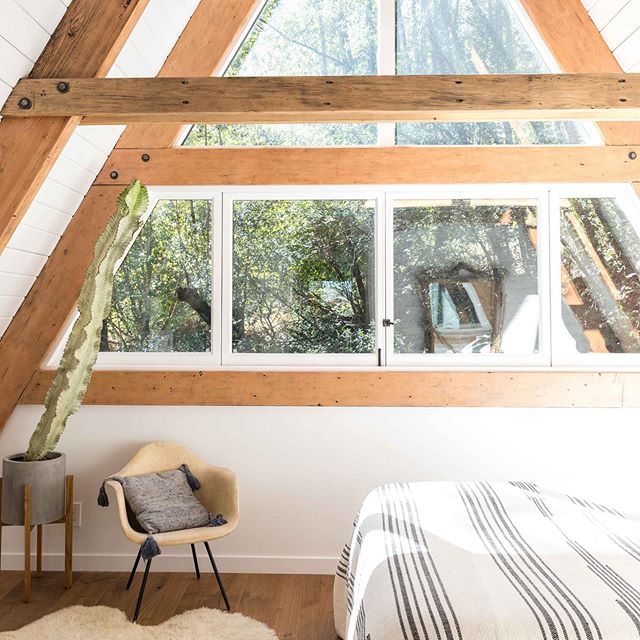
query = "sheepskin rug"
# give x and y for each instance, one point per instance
(101, 623)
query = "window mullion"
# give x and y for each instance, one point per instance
(386, 61)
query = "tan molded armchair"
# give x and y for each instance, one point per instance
(218, 493)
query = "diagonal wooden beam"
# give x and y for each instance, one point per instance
(585, 96)
(85, 44)
(203, 46)
(46, 308)
(575, 42)
(371, 165)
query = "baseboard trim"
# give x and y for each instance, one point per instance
(179, 562)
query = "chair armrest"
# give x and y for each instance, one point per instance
(219, 492)
(121, 503)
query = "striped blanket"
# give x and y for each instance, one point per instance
(488, 561)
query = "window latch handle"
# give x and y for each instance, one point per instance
(387, 322)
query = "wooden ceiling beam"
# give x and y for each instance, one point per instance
(371, 165)
(85, 44)
(585, 96)
(355, 388)
(584, 51)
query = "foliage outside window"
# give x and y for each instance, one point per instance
(303, 276)
(310, 280)
(302, 38)
(162, 290)
(339, 37)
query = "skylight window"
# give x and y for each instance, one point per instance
(407, 37)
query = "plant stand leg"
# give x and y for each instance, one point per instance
(195, 561)
(141, 594)
(27, 543)
(218, 578)
(39, 551)
(0, 524)
(68, 533)
(133, 571)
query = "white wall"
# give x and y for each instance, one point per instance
(304, 471)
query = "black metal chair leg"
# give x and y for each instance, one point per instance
(195, 561)
(141, 594)
(133, 571)
(218, 578)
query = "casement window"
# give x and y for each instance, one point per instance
(595, 283)
(485, 277)
(387, 37)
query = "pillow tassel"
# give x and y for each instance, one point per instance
(194, 483)
(217, 521)
(150, 548)
(103, 498)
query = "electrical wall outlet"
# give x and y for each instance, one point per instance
(77, 514)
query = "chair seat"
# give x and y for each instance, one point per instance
(185, 536)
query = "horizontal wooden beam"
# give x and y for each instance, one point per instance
(354, 388)
(604, 96)
(373, 165)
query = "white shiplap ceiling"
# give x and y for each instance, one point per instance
(25, 28)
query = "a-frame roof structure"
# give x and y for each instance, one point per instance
(59, 210)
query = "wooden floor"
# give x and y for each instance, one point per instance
(296, 607)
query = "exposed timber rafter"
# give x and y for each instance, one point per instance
(51, 300)
(372, 165)
(584, 52)
(85, 44)
(584, 96)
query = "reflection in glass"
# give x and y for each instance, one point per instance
(465, 277)
(303, 276)
(600, 282)
(302, 38)
(162, 290)
(471, 37)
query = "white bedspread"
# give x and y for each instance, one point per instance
(488, 561)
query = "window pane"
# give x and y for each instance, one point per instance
(471, 37)
(600, 282)
(303, 38)
(465, 276)
(162, 290)
(303, 276)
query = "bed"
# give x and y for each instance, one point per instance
(488, 561)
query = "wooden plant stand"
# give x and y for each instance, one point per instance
(67, 520)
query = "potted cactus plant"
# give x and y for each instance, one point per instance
(41, 466)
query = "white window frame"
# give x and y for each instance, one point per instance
(629, 201)
(549, 261)
(140, 360)
(229, 358)
(489, 360)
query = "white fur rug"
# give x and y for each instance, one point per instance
(101, 623)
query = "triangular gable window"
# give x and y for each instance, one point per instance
(409, 37)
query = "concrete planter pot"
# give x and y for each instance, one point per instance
(46, 478)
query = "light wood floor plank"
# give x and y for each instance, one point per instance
(297, 607)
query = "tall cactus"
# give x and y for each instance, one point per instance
(72, 378)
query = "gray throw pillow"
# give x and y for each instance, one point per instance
(164, 501)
